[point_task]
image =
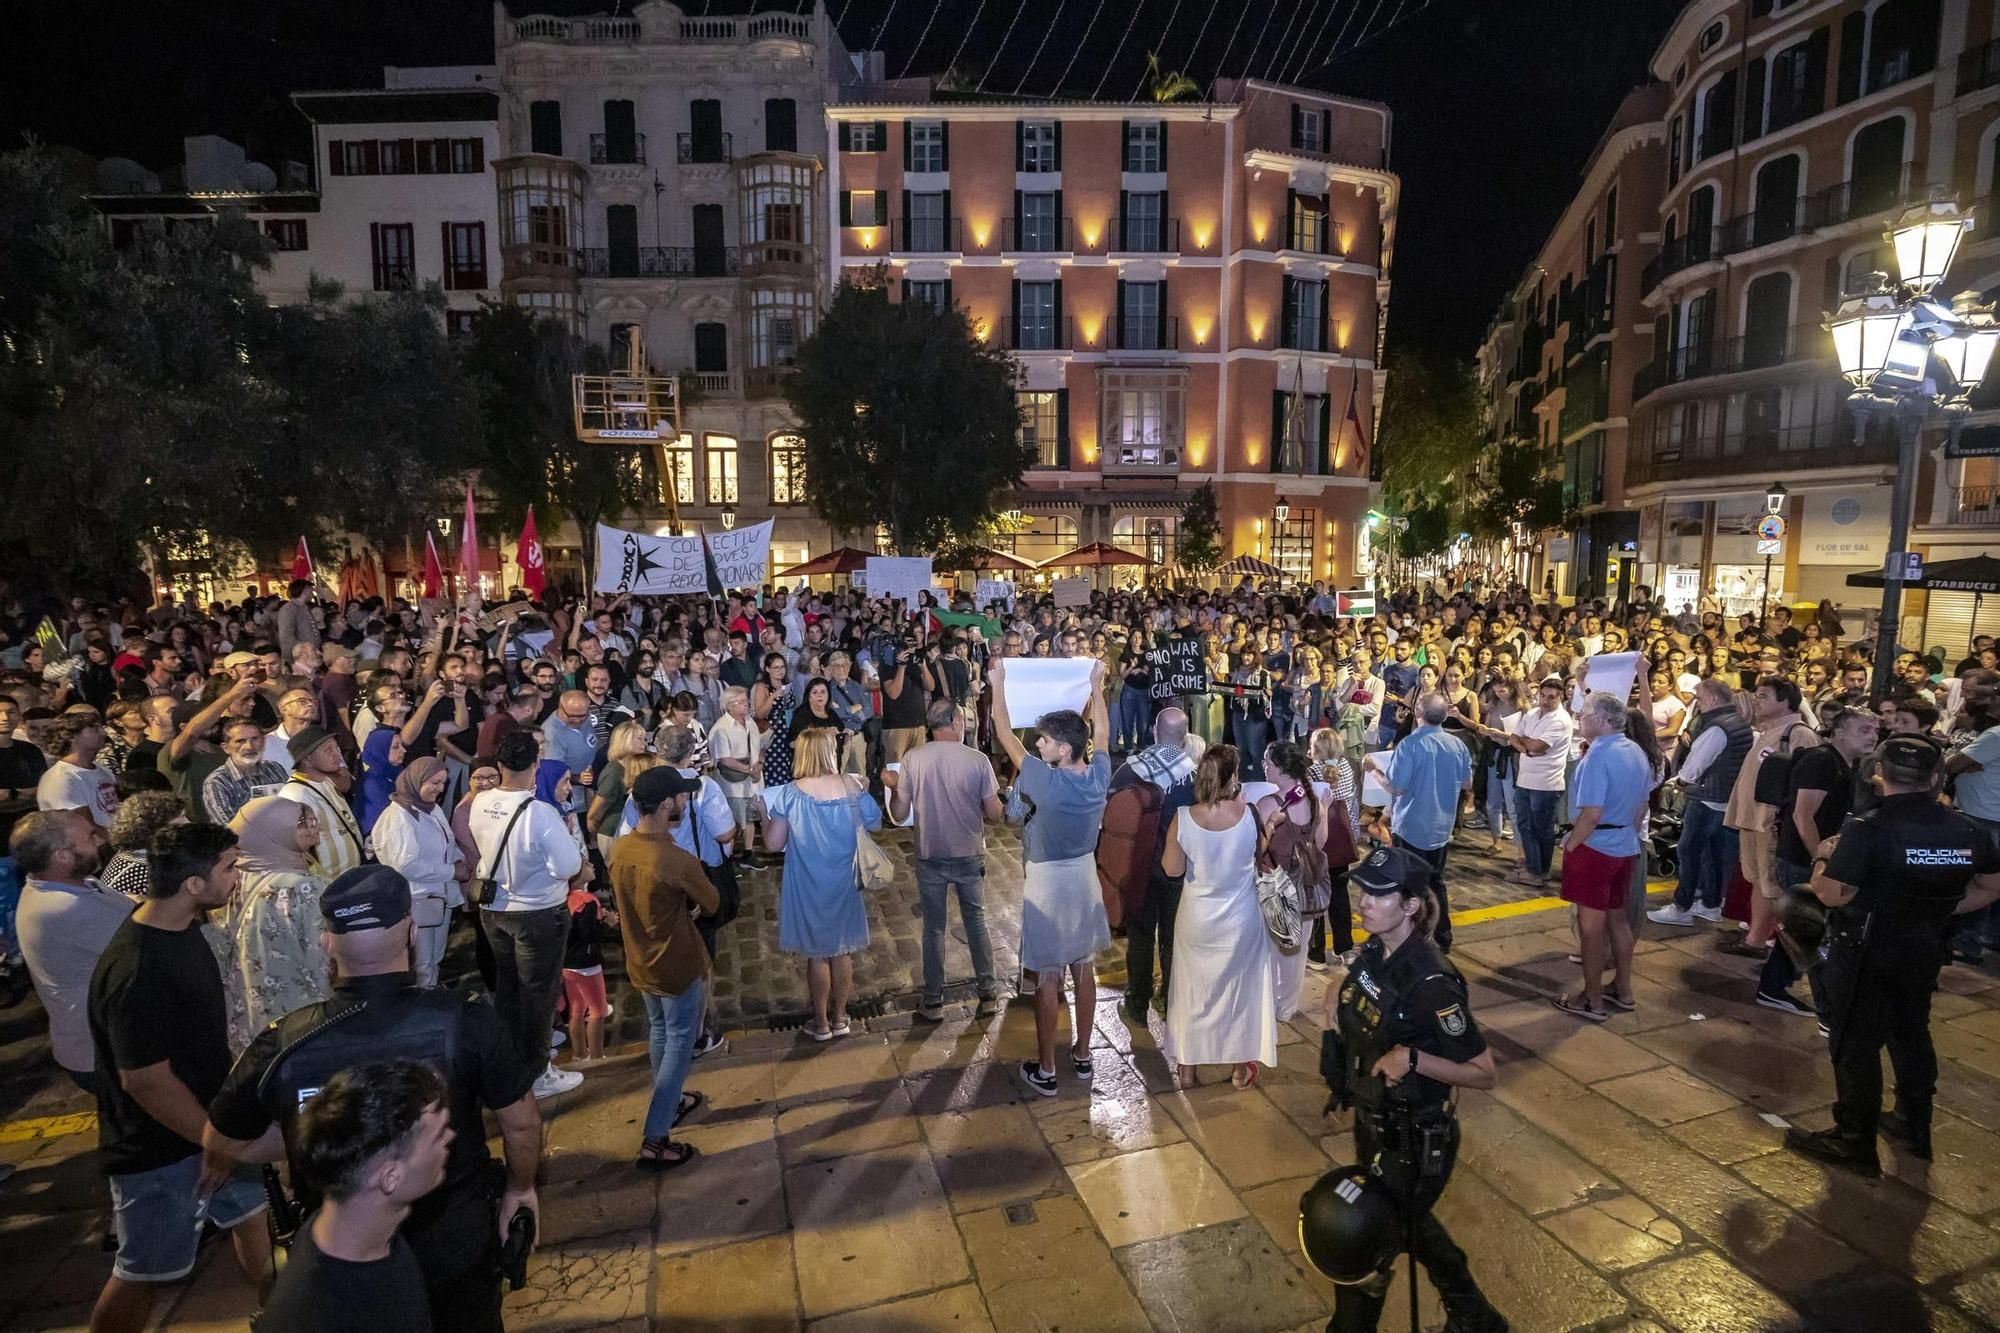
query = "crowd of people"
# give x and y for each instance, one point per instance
(277, 811)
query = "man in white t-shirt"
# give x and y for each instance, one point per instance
(75, 781)
(1541, 735)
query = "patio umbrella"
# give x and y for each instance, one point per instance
(841, 560)
(1095, 556)
(984, 559)
(1974, 574)
(1251, 565)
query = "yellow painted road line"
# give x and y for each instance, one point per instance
(48, 1127)
(1502, 911)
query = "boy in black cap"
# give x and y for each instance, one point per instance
(1893, 878)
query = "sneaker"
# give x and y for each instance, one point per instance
(1712, 915)
(931, 1013)
(1134, 1014)
(554, 1082)
(1082, 1065)
(710, 1042)
(1670, 915)
(1032, 1075)
(989, 1005)
(1787, 1003)
(1315, 964)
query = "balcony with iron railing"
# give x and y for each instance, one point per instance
(1972, 507)
(690, 147)
(1037, 334)
(1037, 235)
(617, 150)
(1162, 334)
(1144, 236)
(659, 261)
(926, 236)
(1759, 349)
(1979, 68)
(1822, 444)
(692, 28)
(1139, 459)
(1849, 201)
(548, 28)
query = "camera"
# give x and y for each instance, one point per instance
(888, 648)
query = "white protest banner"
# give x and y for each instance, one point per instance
(904, 576)
(996, 590)
(1375, 792)
(742, 555)
(1037, 686)
(1072, 591)
(648, 566)
(1611, 672)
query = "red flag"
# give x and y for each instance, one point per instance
(528, 555)
(468, 557)
(302, 561)
(433, 575)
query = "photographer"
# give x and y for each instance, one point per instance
(908, 681)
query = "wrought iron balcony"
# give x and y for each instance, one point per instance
(690, 147)
(1036, 235)
(1162, 334)
(660, 261)
(1823, 444)
(1757, 350)
(608, 151)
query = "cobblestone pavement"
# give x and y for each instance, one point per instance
(1621, 1178)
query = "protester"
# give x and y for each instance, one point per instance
(64, 923)
(318, 780)
(1613, 784)
(1168, 765)
(413, 836)
(1426, 775)
(74, 780)
(276, 961)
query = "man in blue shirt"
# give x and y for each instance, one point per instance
(1428, 771)
(1399, 677)
(1613, 783)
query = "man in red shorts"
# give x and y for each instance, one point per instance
(1608, 794)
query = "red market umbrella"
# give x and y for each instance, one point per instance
(1095, 556)
(841, 560)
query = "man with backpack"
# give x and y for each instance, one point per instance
(1147, 791)
(1754, 803)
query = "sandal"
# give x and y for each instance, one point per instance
(1237, 1079)
(840, 1029)
(690, 1103)
(663, 1154)
(1574, 1006)
(1617, 1001)
(820, 1034)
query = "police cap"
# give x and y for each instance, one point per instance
(1917, 755)
(365, 898)
(1392, 870)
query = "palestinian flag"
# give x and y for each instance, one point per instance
(1357, 605)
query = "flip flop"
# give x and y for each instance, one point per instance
(1618, 1002)
(1574, 1006)
(690, 1103)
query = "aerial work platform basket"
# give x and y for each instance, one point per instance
(628, 406)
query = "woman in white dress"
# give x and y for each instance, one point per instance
(413, 835)
(1222, 1007)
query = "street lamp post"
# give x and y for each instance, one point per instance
(1774, 504)
(1281, 512)
(1908, 356)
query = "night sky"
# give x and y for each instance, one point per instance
(1497, 102)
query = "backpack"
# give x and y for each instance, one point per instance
(1128, 847)
(1774, 774)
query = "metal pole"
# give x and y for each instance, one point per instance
(1909, 425)
(1764, 611)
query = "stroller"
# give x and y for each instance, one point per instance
(1664, 832)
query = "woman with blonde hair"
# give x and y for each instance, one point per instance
(818, 818)
(628, 744)
(1222, 1005)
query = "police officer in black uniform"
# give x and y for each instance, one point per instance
(1892, 881)
(378, 1013)
(1401, 1042)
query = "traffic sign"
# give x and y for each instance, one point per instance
(1770, 546)
(1771, 528)
(1904, 566)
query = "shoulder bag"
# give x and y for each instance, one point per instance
(1278, 899)
(486, 888)
(873, 868)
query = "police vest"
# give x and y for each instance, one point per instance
(1376, 1015)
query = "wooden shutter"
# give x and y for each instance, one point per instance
(905, 239)
(1853, 34)
(1062, 428)
(950, 223)
(1298, 124)
(944, 148)
(881, 208)
(1280, 435)
(336, 157)
(1325, 316)
(1160, 315)
(1815, 98)
(847, 211)
(1326, 132)
(426, 158)
(371, 157)
(1014, 242)
(1119, 315)
(1057, 306)
(450, 277)
(906, 145)
(1326, 434)
(1125, 145)
(1020, 148)
(1123, 198)
(881, 137)
(1291, 219)
(948, 301)
(843, 137)
(906, 291)
(1164, 125)
(1168, 241)
(1063, 241)
(1014, 315)
(1753, 100)
(1289, 313)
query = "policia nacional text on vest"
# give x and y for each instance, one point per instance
(454, 1231)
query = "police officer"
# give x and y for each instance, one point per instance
(1403, 1040)
(1892, 882)
(378, 1013)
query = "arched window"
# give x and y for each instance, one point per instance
(1043, 535)
(788, 470)
(1155, 536)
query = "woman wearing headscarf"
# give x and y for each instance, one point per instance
(382, 759)
(414, 836)
(553, 784)
(277, 964)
